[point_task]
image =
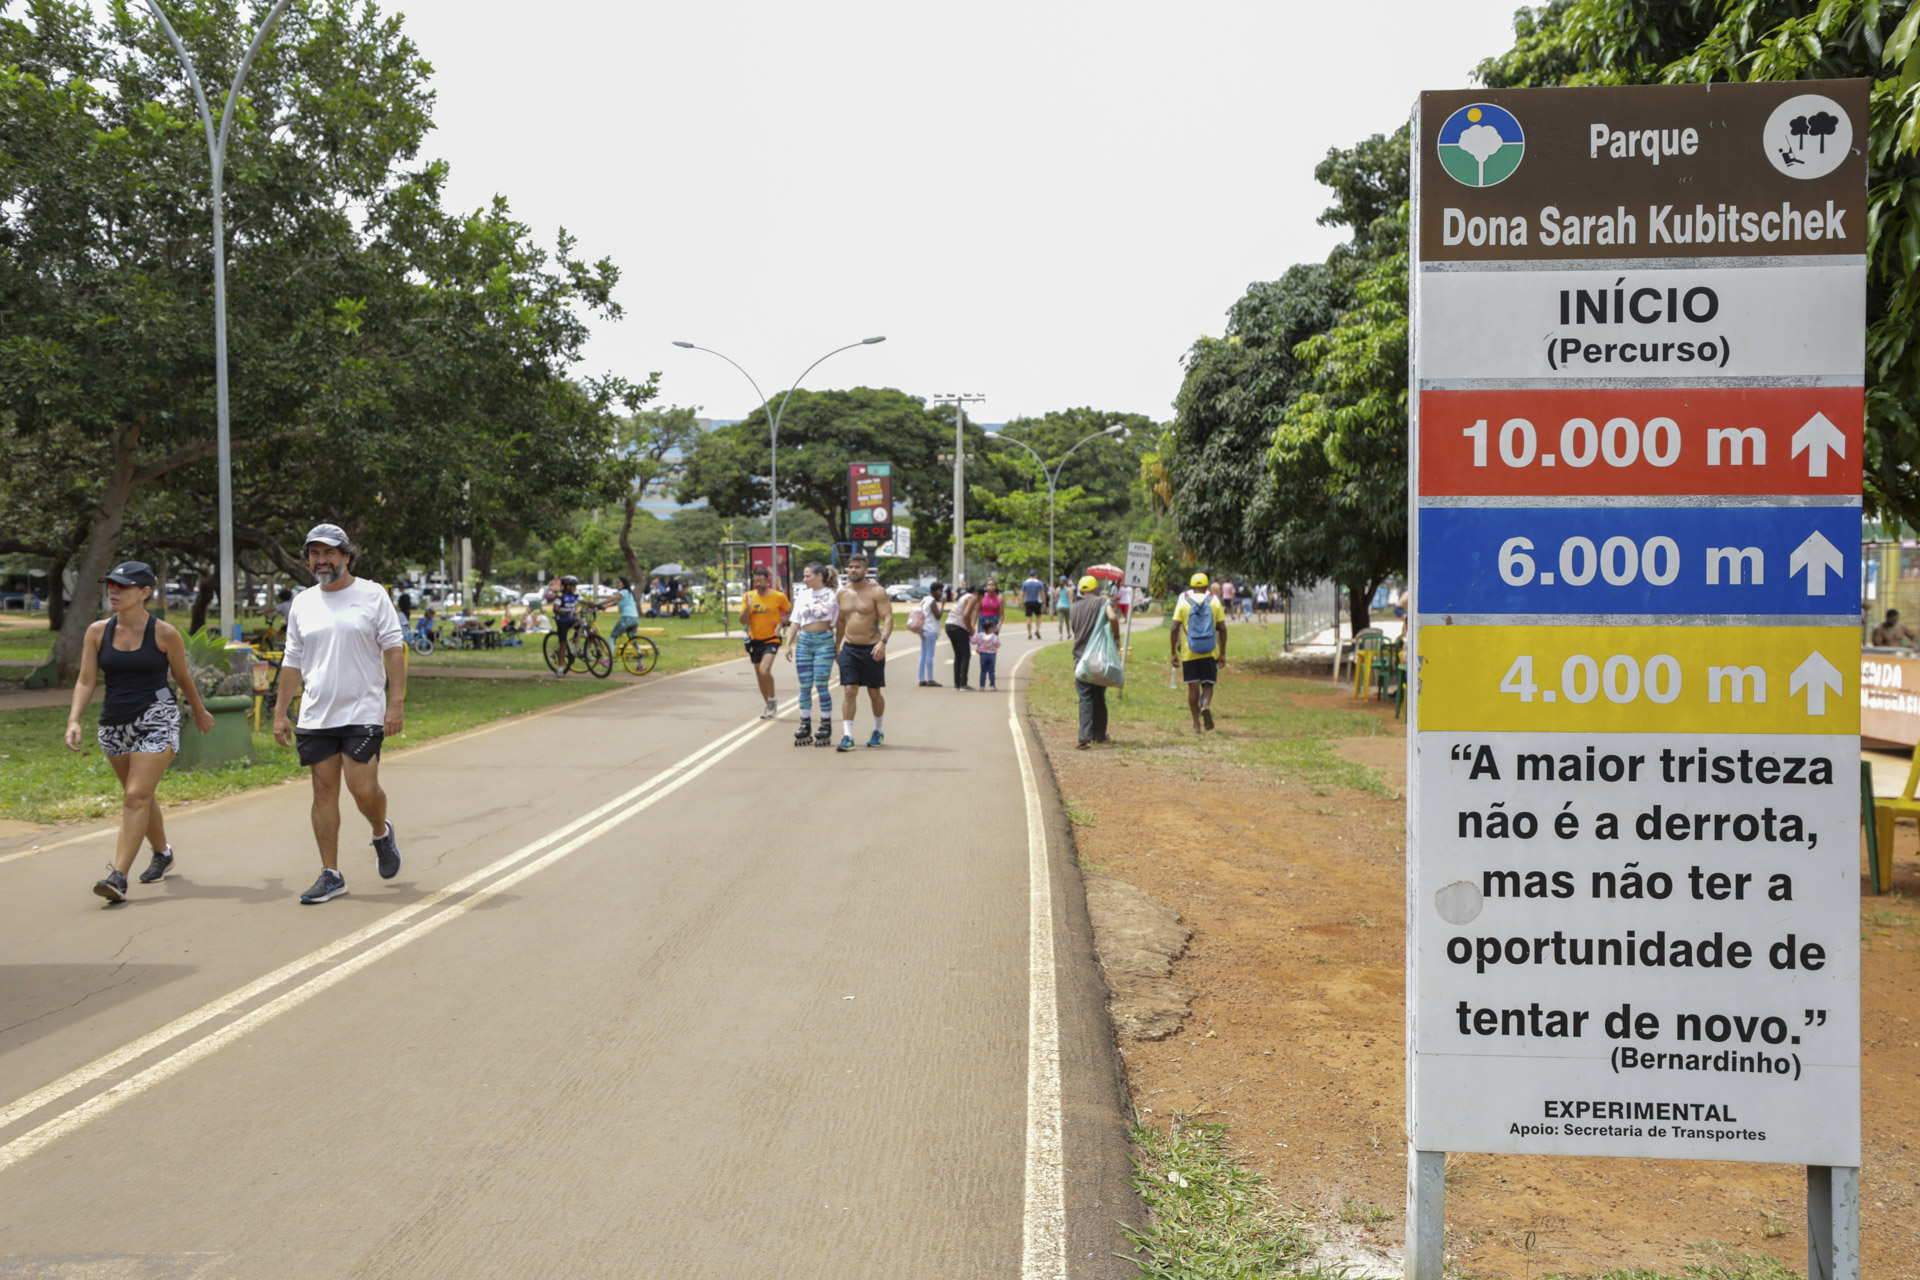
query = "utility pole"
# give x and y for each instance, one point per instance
(959, 402)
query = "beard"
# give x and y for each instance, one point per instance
(326, 573)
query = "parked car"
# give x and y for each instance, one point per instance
(905, 593)
(533, 597)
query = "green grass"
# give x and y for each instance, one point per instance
(31, 644)
(1210, 1216)
(1262, 720)
(44, 782)
(1717, 1262)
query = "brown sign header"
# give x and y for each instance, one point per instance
(1643, 171)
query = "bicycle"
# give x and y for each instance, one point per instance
(638, 654)
(588, 652)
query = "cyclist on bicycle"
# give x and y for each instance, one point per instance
(629, 623)
(566, 615)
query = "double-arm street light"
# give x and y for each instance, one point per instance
(217, 157)
(773, 431)
(1052, 476)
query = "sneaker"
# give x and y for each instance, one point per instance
(803, 736)
(877, 740)
(1206, 716)
(823, 738)
(114, 886)
(387, 849)
(766, 712)
(158, 868)
(846, 743)
(331, 884)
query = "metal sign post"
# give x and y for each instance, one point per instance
(1633, 747)
(1139, 574)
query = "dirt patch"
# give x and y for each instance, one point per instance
(1138, 940)
(1296, 1038)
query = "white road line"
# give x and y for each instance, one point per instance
(92, 1109)
(58, 844)
(674, 774)
(1043, 1254)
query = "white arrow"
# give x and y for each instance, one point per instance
(1816, 675)
(1814, 438)
(1816, 555)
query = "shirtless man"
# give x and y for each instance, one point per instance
(860, 632)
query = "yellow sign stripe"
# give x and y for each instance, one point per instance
(1621, 679)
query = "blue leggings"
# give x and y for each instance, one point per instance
(813, 656)
(929, 640)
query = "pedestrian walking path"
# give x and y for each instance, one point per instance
(655, 993)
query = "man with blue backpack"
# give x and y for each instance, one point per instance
(1199, 640)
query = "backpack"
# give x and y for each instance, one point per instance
(917, 620)
(1201, 637)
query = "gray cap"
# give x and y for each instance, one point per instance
(131, 573)
(331, 534)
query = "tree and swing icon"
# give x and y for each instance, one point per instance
(1821, 125)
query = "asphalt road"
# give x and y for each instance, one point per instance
(655, 994)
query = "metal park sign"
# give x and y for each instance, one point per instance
(1632, 887)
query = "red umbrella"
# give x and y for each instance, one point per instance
(1111, 572)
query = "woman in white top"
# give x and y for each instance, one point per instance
(816, 606)
(929, 634)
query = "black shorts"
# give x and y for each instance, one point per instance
(357, 742)
(758, 649)
(860, 669)
(1200, 671)
(1033, 608)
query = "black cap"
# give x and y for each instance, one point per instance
(131, 573)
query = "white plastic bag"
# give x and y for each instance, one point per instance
(1100, 660)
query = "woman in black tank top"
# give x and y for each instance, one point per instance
(139, 721)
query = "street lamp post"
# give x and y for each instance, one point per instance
(217, 158)
(1051, 477)
(773, 431)
(959, 403)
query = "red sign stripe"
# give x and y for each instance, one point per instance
(1642, 441)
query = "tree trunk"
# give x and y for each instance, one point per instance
(626, 542)
(56, 594)
(202, 599)
(1359, 603)
(106, 526)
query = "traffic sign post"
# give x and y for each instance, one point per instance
(1139, 574)
(1632, 832)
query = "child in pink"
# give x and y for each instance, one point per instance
(986, 642)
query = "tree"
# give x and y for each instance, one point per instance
(649, 450)
(1582, 42)
(399, 368)
(821, 432)
(1285, 457)
(1011, 530)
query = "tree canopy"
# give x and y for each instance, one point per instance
(1590, 42)
(821, 432)
(396, 367)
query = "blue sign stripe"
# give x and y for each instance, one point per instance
(1639, 560)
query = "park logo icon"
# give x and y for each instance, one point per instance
(1808, 136)
(1481, 145)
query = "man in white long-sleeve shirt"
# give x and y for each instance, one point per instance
(346, 655)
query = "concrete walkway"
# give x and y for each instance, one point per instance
(656, 993)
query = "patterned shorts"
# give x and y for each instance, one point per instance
(156, 731)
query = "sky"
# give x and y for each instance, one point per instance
(1043, 202)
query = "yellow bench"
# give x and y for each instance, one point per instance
(1886, 812)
